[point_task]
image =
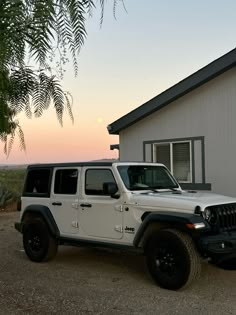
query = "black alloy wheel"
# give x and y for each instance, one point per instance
(172, 259)
(39, 245)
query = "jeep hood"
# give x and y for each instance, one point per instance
(177, 201)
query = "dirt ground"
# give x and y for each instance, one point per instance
(91, 281)
(9, 207)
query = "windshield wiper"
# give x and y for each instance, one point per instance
(158, 189)
(167, 188)
(154, 190)
(173, 189)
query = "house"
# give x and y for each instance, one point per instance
(190, 127)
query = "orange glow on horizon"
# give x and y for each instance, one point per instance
(47, 141)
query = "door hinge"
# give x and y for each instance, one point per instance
(119, 228)
(75, 224)
(119, 208)
(75, 205)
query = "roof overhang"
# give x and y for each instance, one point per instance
(185, 86)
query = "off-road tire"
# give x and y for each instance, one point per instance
(172, 259)
(39, 244)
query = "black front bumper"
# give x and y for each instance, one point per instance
(221, 246)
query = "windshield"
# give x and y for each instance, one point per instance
(144, 177)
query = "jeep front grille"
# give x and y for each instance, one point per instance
(225, 217)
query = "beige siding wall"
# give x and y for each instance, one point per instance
(208, 111)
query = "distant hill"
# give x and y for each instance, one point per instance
(13, 166)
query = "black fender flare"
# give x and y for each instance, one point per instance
(45, 213)
(178, 220)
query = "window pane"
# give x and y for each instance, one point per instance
(38, 181)
(181, 161)
(95, 180)
(163, 154)
(66, 181)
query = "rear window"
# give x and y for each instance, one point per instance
(66, 181)
(38, 182)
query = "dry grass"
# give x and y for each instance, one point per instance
(12, 180)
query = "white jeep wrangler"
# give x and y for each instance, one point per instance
(131, 206)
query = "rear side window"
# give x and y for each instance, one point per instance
(38, 182)
(66, 181)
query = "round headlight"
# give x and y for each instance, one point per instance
(206, 214)
(210, 216)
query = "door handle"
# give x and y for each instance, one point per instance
(56, 203)
(85, 205)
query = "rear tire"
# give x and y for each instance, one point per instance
(38, 243)
(172, 259)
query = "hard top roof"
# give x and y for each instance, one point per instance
(90, 163)
(70, 164)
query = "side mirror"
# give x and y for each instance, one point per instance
(110, 189)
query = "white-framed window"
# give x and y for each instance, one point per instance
(176, 156)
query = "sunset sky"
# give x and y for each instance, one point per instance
(124, 63)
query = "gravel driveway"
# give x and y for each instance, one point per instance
(91, 281)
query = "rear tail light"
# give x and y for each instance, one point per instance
(18, 207)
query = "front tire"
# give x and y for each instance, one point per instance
(172, 259)
(38, 243)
